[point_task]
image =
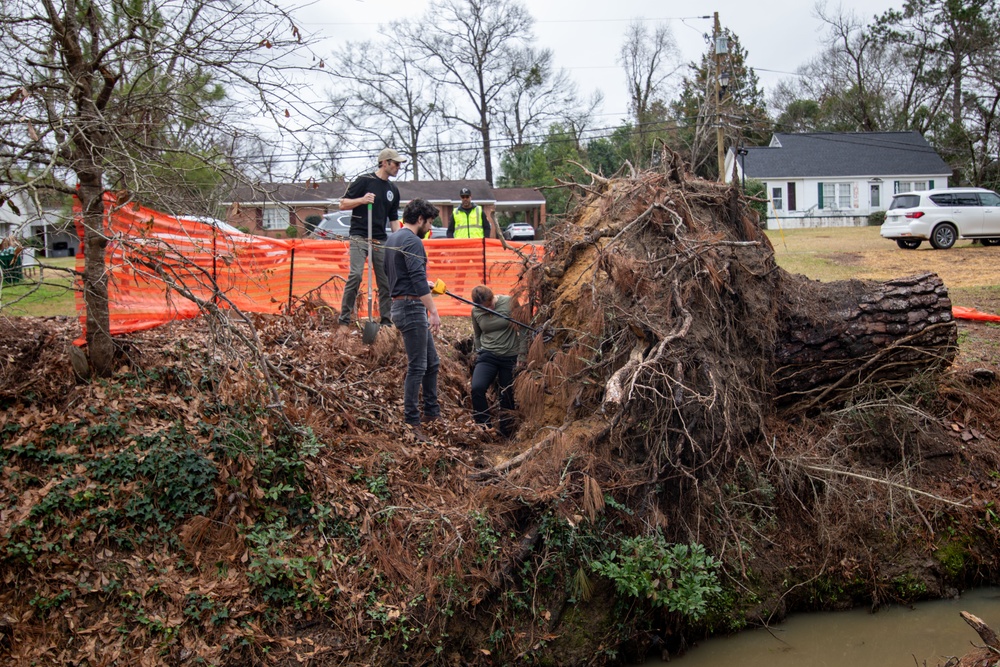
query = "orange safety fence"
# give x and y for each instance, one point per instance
(962, 313)
(158, 266)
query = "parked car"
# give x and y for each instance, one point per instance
(438, 233)
(942, 217)
(519, 231)
(336, 225)
(221, 225)
(333, 225)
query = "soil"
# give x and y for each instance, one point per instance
(240, 494)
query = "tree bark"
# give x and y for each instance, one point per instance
(100, 346)
(834, 336)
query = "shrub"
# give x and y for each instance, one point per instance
(679, 577)
(312, 222)
(291, 231)
(758, 189)
(876, 219)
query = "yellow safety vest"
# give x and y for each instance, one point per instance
(473, 227)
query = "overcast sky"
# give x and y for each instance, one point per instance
(586, 35)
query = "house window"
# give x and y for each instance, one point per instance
(275, 218)
(910, 186)
(836, 195)
(777, 199)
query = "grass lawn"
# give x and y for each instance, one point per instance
(48, 292)
(970, 272)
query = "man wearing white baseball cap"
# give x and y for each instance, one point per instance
(375, 189)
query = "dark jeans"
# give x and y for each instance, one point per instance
(492, 368)
(410, 317)
(358, 255)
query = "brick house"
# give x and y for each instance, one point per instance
(270, 208)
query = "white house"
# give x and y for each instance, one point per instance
(836, 179)
(53, 229)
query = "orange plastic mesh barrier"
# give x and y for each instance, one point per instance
(159, 266)
(963, 313)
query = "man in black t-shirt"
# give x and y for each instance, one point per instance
(414, 312)
(375, 189)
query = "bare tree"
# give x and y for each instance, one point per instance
(101, 95)
(650, 59)
(384, 100)
(472, 46)
(538, 96)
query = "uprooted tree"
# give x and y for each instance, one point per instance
(669, 324)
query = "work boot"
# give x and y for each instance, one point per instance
(418, 433)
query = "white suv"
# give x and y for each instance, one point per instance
(519, 231)
(942, 217)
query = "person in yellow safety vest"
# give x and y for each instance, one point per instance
(469, 221)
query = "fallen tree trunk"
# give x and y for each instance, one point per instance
(834, 336)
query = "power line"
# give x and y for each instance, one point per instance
(668, 18)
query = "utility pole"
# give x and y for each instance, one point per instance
(716, 33)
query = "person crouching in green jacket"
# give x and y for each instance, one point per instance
(497, 343)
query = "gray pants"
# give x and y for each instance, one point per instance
(359, 253)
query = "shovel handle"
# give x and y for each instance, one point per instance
(371, 259)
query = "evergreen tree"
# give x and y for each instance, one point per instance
(696, 111)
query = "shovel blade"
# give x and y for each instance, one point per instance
(369, 332)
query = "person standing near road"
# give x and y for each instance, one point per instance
(414, 312)
(375, 189)
(497, 343)
(469, 221)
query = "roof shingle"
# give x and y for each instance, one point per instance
(842, 154)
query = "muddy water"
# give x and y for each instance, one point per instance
(892, 637)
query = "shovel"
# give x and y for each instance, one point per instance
(370, 331)
(440, 288)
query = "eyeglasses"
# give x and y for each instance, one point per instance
(466, 196)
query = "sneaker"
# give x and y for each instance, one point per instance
(385, 323)
(430, 420)
(344, 323)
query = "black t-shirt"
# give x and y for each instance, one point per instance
(406, 264)
(384, 210)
